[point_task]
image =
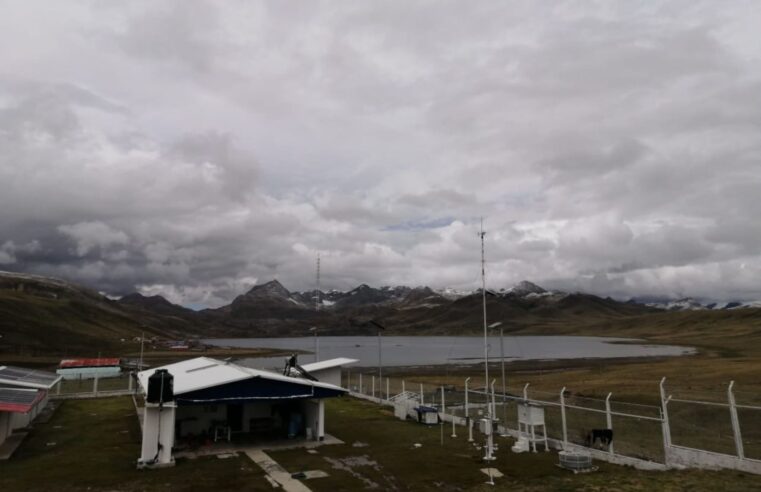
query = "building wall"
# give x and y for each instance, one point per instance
(314, 417)
(158, 426)
(5, 426)
(331, 375)
(90, 372)
(201, 417)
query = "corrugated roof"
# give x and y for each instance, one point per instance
(327, 364)
(96, 362)
(27, 378)
(19, 400)
(204, 372)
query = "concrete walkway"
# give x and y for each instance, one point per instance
(275, 471)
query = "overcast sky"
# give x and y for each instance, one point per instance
(192, 149)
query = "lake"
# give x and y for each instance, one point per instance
(433, 350)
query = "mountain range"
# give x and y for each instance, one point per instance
(44, 314)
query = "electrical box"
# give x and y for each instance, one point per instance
(485, 428)
(530, 414)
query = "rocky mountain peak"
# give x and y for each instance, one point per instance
(524, 287)
(273, 288)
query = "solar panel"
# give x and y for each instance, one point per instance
(21, 375)
(17, 396)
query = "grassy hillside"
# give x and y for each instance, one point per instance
(40, 316)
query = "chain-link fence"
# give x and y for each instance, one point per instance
(703, 422)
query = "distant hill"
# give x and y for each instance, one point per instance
(51, 315)
(40, 314)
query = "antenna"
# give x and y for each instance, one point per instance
(489, 455)
(318, 282)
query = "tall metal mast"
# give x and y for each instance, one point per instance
(481, 234)
(318, 282)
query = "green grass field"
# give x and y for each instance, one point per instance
(93, 445)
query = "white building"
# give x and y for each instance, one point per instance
(23, 394)
(101, 367)
(215, 400)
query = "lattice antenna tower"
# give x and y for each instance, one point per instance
(317, 297)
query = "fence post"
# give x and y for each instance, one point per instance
(422, 400)
(466, 397)
(129, 383)
(58, 387)
(525, 391)
(372, 385)
(388, 388)
(665, 423)
(95, 385)
(609, 419)
(403, 388)
(360, 384)
(735, 422)
(443, 405)
(562, 417)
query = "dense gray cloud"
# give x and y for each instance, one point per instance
(192, 149)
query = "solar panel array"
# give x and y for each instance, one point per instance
(22, 375)
(15, 396)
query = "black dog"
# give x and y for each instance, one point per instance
(605, 436)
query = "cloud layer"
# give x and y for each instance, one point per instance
(194, 148)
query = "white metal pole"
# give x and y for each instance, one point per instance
(403, 389)
(95, 384)
(380, 360)
(466, 397)
(316, 346)
(525, 392)
(142, 343)
(454, 431)
(360, 383)
(469, 423)
(388, 389)
(372, 379)
(666, 424)
(735, 422)
(443, 404)
(493, 400)
(562, 416)
(422, 401)
(609, 419)
(504, 381)
(483, 300)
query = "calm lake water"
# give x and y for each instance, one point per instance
(425, 350)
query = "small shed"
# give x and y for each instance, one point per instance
(23, 394)
(427, 415)
(212, 399)
(100, 367)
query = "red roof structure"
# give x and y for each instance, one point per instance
(19, 400)
(98, 362)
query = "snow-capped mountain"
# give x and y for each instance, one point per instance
(691, 304)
